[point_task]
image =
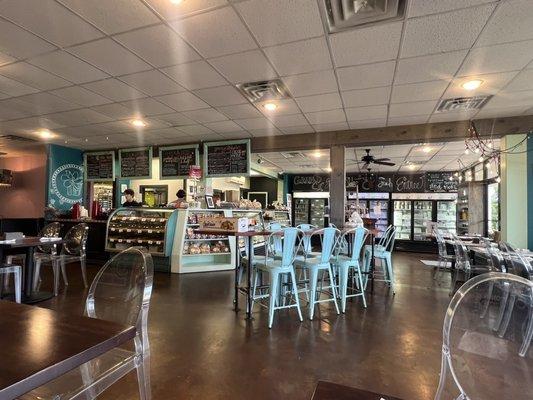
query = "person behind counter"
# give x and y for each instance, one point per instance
(180, 201)
(130, 199)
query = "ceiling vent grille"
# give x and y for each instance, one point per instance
(257, 92)
(463, 103)
(293, 154)
(346, 14)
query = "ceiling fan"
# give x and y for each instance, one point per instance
(368, 159)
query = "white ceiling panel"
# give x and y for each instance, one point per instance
(522, 81)
(113, 16)
(492, 83)
(110, 57)
(418, 91)
(249, 66)
(505, 100)
(300, 57)
(284, 121)
(319, 102)
(195, 130)
(502, 112)
(215, 33)
(205, 115)
(311, 83)
(241, 111)
(114, 89)
(429, 68)
(115, 111)
(46, 103)
(195, 75)
(78, 117)
(159, 45)
(6, 59)
(416, 119)
(33, 76)
(366, 76)
(286, 106)
(147, 106)
(360, 46)
(329, 127)
(326, 117)
(183, 101)
(272, 131)
(452, 116)
(255, 123)
(152, 82)
(223, 126)
(367, 123)
(14, 88)
(424, 7)
(29, 125)
(21, 43)
(362, 113)
(176, 119)
(79, 95)
(455, 30)
(171, 11)
(412, 108)
(366, 97)
(49, 19)
(279, 21)
(221, 96)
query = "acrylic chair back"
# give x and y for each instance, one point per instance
(462, 261)
(495, 256)
(520, 266)
(441, 243)
(477, 362)
(76, 240)
(121, 291)
(50, 230)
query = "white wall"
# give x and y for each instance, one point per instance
(173, 184)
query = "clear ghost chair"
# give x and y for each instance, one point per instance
(16, 271)
(476, 362)
(120, 293)
(444, 257)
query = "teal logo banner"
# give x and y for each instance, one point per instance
(65, 177)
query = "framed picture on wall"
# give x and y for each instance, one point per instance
(209, 201)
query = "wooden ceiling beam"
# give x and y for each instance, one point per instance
(407, 134)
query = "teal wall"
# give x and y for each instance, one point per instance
(530, 191)
(65, 177)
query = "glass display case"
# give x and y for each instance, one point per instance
(282, 217)
(423, 212)
(301, 211)
(256, 219)
(402, 219)
(446, 211)
(152, 228)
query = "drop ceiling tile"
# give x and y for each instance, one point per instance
(279, 21)
(241, 111)
(366, 45)
(337, 126)
(110, 57)
(424, 7)
(319, 102)
(68, 67)
(291, 130)
(311, 83)
(418, 91)
(226, 33)
(300, 57)
(176, 119)
(159, 45)
(273, 131)
(14, 109)
(167, 133)
(512, 21)
(205, 115)
(33, 76)
(147, 106)
(6, 59)
(286, 106)
(255, 123)
(492, 83)
(284, 121)
(362, 113)
(439, 33)
(429, 68)
(502, 112)
(413, 108)
(114, 89)
(221, 96)
(29, 124)
(326, 117)
(224, 126)
(171, 11)
(366, 97)
(511, 99)
(498, 58)
(113, 16)
(452, 116)
(366, 76)
(195, 130)
(50, 20)
(249, 66)
(152, 82)
(412, 120)
(522, 81)
(14, 88)
(115, 111)
(236, 135)
(78, 117)
(79, 95)
(195, 75)
(21, 43)
(368, 123)
(183, 101)
(44, 103)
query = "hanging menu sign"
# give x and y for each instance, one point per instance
(99, 166)
(136, 163)
(310, 183)
(227, 158)
(175, 162)
(409, 183)
(361, 182)
(440, 182)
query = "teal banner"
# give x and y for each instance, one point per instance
(65, 177)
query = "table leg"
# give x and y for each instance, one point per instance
(250, 244)
(372, 265)
(237, 269)
(30, 296)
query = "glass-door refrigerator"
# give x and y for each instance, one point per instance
(379, 210)
(446, 215)
(301, 211)
(317, 212)
(422, 214)
(402, 219)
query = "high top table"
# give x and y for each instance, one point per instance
(28, 245)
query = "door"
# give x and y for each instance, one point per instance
(318, 211)
(301, 211)
(422, 213)
(379, 210)
(446, 216)
(402, 219)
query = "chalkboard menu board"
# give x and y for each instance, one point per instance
(440, 182)
(361, 182)
(176, 161)
(409, 183)
(310, 183)
(136, 163)
(227, 158)
(100, 166)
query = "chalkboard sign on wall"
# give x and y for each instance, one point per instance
(440, 182)
(409, 183)
(310, 183)
(175, 161)
(136, 163)
(227, 158)
(99, 166)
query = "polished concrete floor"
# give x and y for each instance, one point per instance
(202, 350)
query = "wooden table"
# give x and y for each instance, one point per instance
(38, 345)
(29, 244)
(332, 391)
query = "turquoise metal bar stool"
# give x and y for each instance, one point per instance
(345, 263)
(322, 263)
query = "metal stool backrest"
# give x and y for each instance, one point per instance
(329, 239)
(291, 245)
(277, 240)
(307, 245)
(50, 230)
(76, 240)
(360, 235)
(388, 245)
(384, 238)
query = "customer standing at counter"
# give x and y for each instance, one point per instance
(180, 201)
(130, 199)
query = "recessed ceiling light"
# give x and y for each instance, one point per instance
(270, 106)
(176, 1)
(138, 123)
(472, 85)
(316, 154)
(427, 149)
(45, 134)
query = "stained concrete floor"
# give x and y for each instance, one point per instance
(202, 350)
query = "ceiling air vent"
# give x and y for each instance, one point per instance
(260, 91)
(463, 103)
(293, 154)
(346, 14)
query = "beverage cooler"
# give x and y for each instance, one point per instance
(310, 211)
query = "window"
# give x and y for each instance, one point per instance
(493, 207)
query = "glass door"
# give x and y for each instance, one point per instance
(301, 211)
(402, 219)
(446, 215)
(493, 208)
(422, 214)
(318, 211)
(378, 209)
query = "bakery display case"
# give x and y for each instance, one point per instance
(282, 217)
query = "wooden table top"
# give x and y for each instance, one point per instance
(31, 242)
(332, 391)
(38, 345)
